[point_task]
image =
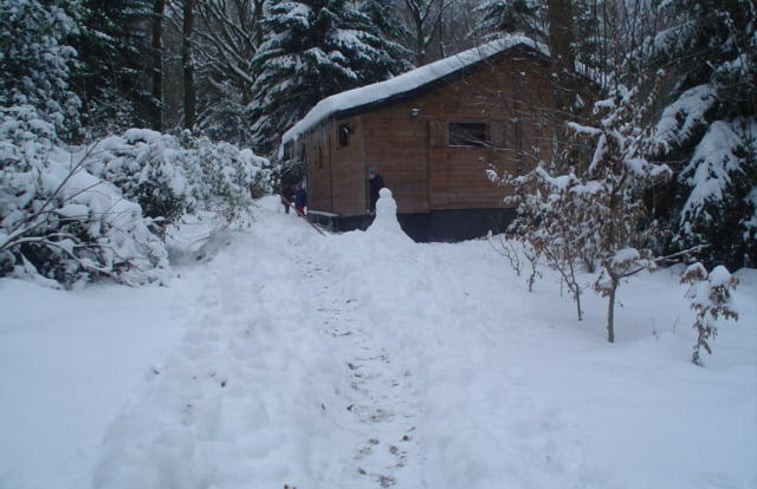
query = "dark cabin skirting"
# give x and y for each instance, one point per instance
(435, 226)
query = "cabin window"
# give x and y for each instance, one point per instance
(344, 132)
(468, 134)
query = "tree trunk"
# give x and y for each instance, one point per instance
(157, 63)
(560, 18)
(190, 102)
(611, 310)
(576, 291)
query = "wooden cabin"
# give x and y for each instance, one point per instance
(431, 133)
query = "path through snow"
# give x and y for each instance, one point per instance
(382, 400)
(365, 361)
(279, 378)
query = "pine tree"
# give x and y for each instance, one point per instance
(708, 122)
(385, 17)
(112, 77)
(498, 17)
(313, 49)
(187, 64)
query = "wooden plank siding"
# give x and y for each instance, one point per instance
(348, 169)
(315, 152)
(396, 146)
(408, 141)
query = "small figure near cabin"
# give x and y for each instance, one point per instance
(300, 199)
(375, 183)
(286, 191)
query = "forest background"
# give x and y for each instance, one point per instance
(672, 88)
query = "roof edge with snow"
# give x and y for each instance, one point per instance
(400, 87)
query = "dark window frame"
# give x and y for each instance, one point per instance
(344, 134)
(469, 134)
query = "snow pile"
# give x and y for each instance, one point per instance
(373, 250)
(68, 361)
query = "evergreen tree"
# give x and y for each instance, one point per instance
(385, 17)
(188, 64)
(36, 62)
(709, 124)
(498, 17)
(112, 79)
(313, 49)
(158, 13)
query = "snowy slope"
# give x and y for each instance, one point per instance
(365, 360)
(68, 360)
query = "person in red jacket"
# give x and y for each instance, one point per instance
(300, 199)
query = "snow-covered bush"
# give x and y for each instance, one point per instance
(60, 222)
(709, 295)
(149, 169)
(621, 174)
(551, 223)
(224, 179)
(170, 176)
(573, 211)
(35, 62)
(516, 250)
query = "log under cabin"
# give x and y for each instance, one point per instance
(431, 133)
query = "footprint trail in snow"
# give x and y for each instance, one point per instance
(381, 401)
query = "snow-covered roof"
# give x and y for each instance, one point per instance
(406, 82)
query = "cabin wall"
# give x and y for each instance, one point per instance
(314, 149)
(409, 142)
(395, 143)
(509, 98)
(348, 169)
(335, 170)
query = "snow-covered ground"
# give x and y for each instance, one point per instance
(363, 361)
